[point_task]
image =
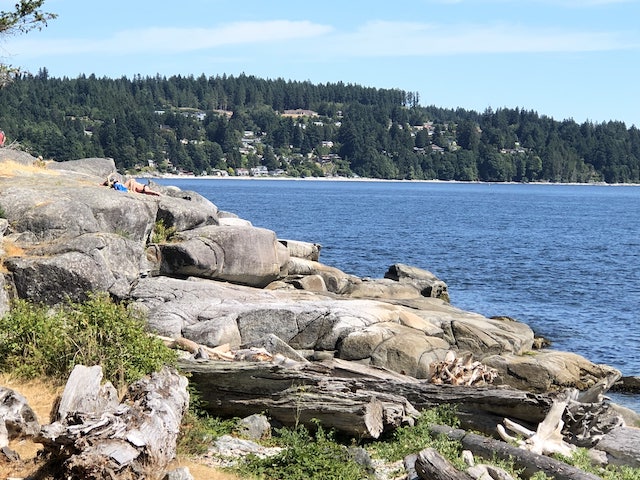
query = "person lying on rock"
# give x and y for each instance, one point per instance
(130, 185)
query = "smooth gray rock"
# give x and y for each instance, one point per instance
(426, 282)
(254, 427)
(390, 336)
(96, 167)
(18, 156)
(217, 331)
(58, 212)
(87, 263)
(305, 250)
(407, 353)
(186, 211)
(548, 370)
(245, 255)
(622, 446)
(180, 473)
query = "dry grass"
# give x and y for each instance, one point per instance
(41, 395)
(10, 168)
(11, 249)
(8, 248)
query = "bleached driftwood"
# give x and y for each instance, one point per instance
(339, 393)
(461, 371)
(547, 439)
(17, 419)
(95, 436)
(588, 417)
(581, 417)
(527, 461)
(221, 352)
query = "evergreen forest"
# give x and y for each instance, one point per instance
(243, 125)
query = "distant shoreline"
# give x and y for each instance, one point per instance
(171, 176)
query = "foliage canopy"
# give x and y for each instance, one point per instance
(227, 123)
(28, 15)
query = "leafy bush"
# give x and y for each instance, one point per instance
(162, 233)
(305, 455)
(581, 460)
(38, 340)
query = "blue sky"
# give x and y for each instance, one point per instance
(576, 59)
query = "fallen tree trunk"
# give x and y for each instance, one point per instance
(341, 394)
(430, 465)
(530, 462)
(296, 396)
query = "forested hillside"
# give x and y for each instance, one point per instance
(235, 124)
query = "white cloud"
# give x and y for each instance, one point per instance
(176, 40)
(311, 40)
(419, 39)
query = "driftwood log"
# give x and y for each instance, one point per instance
(547, 439)
(530, 462)
(430, 465)
(94, 436)
(349, 397)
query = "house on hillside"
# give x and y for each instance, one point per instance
(259, 171)
(299, 112)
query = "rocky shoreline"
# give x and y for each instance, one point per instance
(209, 277)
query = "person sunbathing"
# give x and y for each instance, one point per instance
(133, 186)
(130, 185)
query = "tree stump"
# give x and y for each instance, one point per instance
(96, 437)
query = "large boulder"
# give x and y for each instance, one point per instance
(246, 255)
(182, 211)
(549, 370)
(88, 263)
(95, 167)
(18, 156)
(306, 250)
(60, 211)
(424, 281)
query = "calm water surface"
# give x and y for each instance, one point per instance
(563, 259)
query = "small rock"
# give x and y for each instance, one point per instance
(181, 473)
(255, 427)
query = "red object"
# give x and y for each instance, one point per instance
(1, 138)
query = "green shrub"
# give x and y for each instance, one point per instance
(305, 455)
(581, 460)
(162, 233)
(38, 340)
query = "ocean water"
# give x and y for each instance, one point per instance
(564, 259)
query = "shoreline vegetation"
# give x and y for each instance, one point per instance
(235, 124)
(174, 176)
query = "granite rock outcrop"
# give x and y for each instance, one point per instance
(211, 277)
